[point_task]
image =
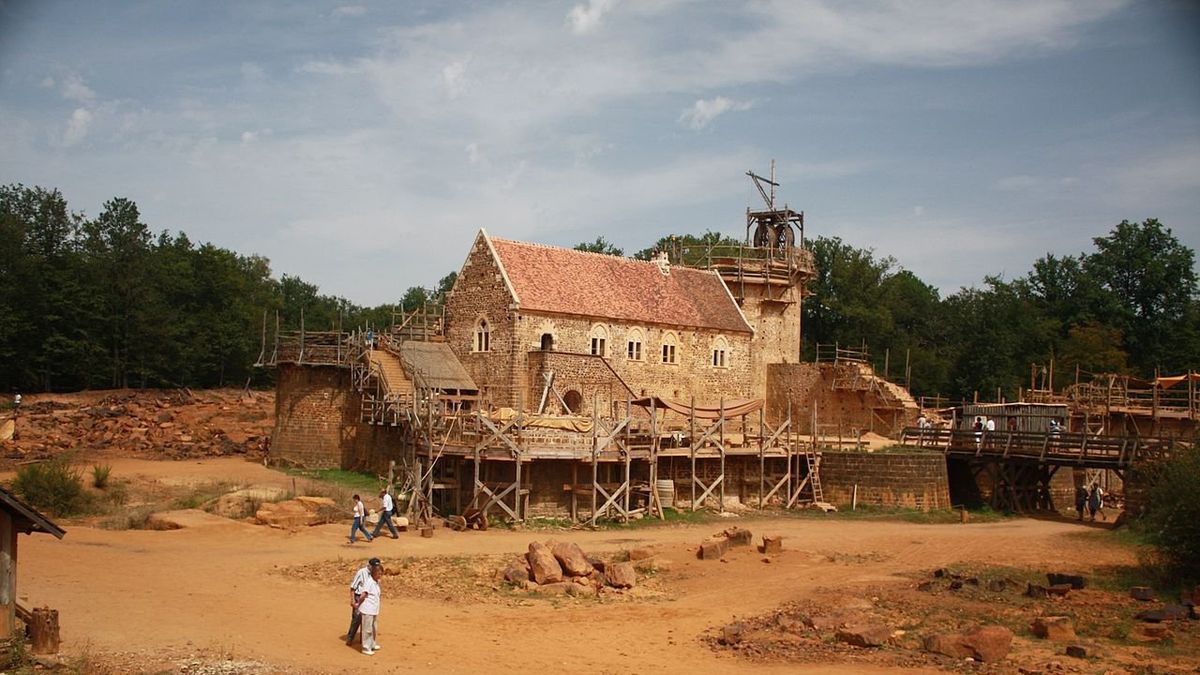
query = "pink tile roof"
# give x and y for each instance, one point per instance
(565, 281)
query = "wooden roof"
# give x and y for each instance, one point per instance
(25, 518)
(438, 365)
(564, 281)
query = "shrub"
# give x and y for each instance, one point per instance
(52, 486)
(100, 473)
(1172, 519)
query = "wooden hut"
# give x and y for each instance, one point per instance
(16, 517)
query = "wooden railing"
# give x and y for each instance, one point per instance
(1115, 452)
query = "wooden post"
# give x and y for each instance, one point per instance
(8, 575)
(692, 447)
(44, 631)
(762, 463)
(721, 448)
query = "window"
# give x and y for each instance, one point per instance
(720, 353)
(633, 346)
(599, 341)
(483, 336)
(668, 348)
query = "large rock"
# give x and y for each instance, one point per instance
(1077, 581)
(287, 515)
(713, 549)
(544, 568)
(986, 643)
(1143, 593)
(772, 545)
(732, 634)
(244, 502)
(738, 536)
(871, 635)
(517, 572)
(621, 575)
(572, 559)
(640, 554)
(1054, 628)
(990, 643)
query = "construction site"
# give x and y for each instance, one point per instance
(557, 383)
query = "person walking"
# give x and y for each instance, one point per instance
(386, 511)
(1081, 499)
(360, 516)
(356, 584)
(1096, 501)
(368, 607)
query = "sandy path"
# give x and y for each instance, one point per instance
(213, 586)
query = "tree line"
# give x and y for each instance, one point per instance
(106, 302)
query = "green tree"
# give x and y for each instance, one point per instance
(601, 245)
(1152, 279)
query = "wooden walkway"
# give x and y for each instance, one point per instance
(1054, 449)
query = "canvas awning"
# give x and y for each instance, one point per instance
(731, 407)
(1168, 382)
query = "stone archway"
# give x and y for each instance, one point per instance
(574, 401)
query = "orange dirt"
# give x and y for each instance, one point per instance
(232, 597)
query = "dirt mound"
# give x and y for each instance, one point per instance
(166, 424)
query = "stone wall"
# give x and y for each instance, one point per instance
(776, 328)
(913, 480)
(481, 293)
(317, 427)
(838, 411)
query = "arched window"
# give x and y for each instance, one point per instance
(670, 345)
(547, 342)
(720, 352)
(599, 340)
(633, 344)
(483, 336)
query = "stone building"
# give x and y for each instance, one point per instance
(607, 329)
(557, 381)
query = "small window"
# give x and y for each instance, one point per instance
(547, 342)
(720, 353)
(668, 349)
(599, 341)
(483, 336)
(633, 346)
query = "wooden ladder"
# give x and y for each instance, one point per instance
(813, 461)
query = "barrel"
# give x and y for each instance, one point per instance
(666, 492)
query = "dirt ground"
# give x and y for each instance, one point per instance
(227, 596)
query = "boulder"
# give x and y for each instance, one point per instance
(286, 515)
(574, 563)
(772, 545)
(713, 549)
(948, 644)
(1155, 632)
(557, 588)
(1035, 591)
(870, 635)
(1054, 628)
(738, 536)
(1077, 581)
(1143, 593)
(517, 572)
(1077, 651)
(990, 643)
(1165, 613)
(621, 575)
(544, 568)
(1060, 590)
(597, 564)
(732, 634)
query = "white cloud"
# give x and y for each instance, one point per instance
(703, 112)
(249, 137)
(452, 77)
(474, 156)
(586, 18)
(72, 88)
(77, 127)
(349, 10)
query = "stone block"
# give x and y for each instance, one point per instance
(544, 568)
(572, 559)
(1054, 628)
(990, 643)
(640, 553)
(621, 575)
(1076, 651)
(738, 536)
(1143, 593)
(713, 549)
(1077, 581)
(772, 545)
(870, 635)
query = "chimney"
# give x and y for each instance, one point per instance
(663, 262)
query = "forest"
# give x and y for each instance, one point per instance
(102, 302)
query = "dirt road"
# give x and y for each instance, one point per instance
(215, 588)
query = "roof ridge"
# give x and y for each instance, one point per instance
(674, 266)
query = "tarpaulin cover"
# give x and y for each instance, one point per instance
(563, 422)
(1168, 382)
(732, 407)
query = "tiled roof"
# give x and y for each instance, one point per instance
(565, 281)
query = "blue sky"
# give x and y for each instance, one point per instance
(360, 146)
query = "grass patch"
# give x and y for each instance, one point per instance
(367, 485)
(201, 495)
(100, 475)
(54, 486)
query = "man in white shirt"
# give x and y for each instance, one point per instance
(386, 511)
(356, 584)
(368, 607)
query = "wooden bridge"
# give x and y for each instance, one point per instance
(1022, 463)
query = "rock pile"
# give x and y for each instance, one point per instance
(173, 424)
(562, 568)
(717, 545)
(295, 513)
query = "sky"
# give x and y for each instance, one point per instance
(362, 146)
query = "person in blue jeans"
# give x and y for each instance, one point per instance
(360, 516)
(386, 511)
